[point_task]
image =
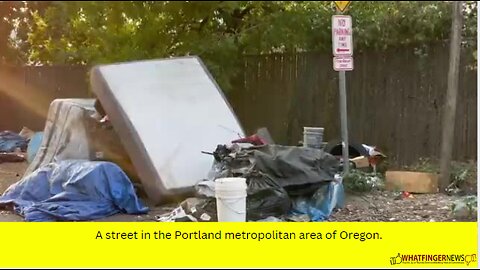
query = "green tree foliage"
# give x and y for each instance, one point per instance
(15, 24)
(8, 10)
(221, 32)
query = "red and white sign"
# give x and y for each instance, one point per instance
(342, 35)
(343, 63)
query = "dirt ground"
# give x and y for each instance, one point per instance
(10, 173)
(384, 206)
(374, 206)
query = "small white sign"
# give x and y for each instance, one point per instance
(342, 35)
(344, 63)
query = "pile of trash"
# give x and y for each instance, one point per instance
(75, 170)
(13, 146)
(159, 160)
(11, 141)
(73, 190)
(283, 182)
(98, 157)
(19, 147)
(63, 185)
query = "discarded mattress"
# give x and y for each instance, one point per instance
(73, 190)
(166, 113)
(72, 132)
(65, 135)
(10, 141)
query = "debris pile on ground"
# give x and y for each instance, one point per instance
(281, 181)
(162, 155)
(13, 146)
(11, 142)
(73, 190)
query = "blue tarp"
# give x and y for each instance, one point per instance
(74, 190)
(34, 146)
(320, 206)
(9, 141)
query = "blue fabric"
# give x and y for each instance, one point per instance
(320, 206)
(9, 141)
(34, 146)
(74, 190)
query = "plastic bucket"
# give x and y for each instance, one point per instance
(231, 195)
(313, 137)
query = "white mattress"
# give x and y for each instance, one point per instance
(166, 112)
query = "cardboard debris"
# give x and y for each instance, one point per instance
(414, 182)
(360, 162)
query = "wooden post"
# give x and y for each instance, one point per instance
(451, 98)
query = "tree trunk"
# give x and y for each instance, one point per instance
(451, 97)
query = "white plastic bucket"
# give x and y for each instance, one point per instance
(313, 137)
(231, 194)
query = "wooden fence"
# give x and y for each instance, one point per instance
(26, 93)
(395, 99)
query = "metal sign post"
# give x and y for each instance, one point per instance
(343, 61)
(343, 117)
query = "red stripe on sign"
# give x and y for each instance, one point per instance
(343, 50)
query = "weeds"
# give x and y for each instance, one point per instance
(466, 207)
(462, 174)
(359, 181)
